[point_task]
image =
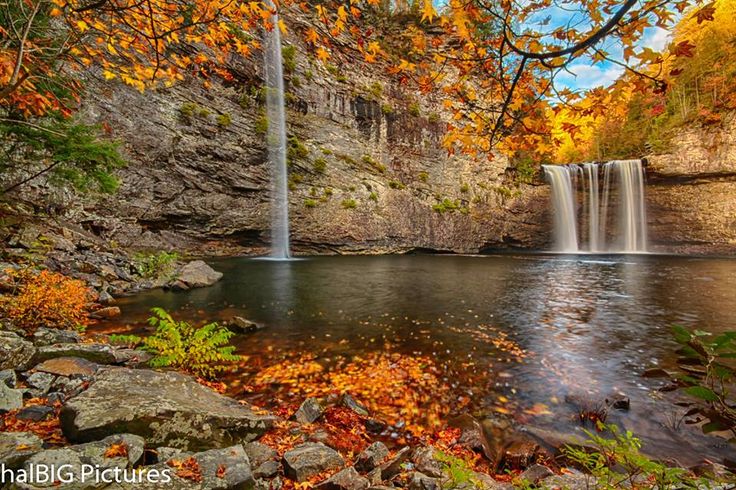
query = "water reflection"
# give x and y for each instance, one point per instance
(590, 324)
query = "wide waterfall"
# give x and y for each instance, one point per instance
(276, 139)
(581, 207)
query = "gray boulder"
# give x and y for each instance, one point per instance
(10, 399)
(309, 411)
(347, 479)
(50, 336)
(371, 457)
(310, 459)
(8, 378)
(67, 366)
(39, 383)
(15, 352)
(167, 408)
(196, 274)
(17, 447)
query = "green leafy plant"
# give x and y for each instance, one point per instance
(614, 460)
(203, 351)
(457, 472)
(154, 265)
(705, 371)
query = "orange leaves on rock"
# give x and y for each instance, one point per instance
(187, 469)
(49, 429)
(46, 299)
(117, 450)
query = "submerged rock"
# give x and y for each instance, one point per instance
(166, 408)
(310, 459)
(196, 274)
(240, 324)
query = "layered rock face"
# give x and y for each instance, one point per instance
(366, 168)
(691, 192)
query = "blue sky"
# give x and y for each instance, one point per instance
(583, 74)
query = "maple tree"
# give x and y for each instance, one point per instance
(496, 63)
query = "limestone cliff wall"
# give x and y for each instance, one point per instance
(198, 182)
(692, 191)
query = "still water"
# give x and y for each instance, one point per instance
(588, 325)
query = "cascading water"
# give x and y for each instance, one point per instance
(276, 138)
(623, 186)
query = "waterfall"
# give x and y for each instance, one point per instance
(563, 202)
(276, 138)
(591, 227)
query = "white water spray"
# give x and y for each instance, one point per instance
(276, 139)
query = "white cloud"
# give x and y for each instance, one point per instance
(585, 76)
(656, 38)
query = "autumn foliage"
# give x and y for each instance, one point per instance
(46, 299)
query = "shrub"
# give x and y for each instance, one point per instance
(615, 462)
(203, 351)
(154, 265)
(261, 126)
(288, 57)
(446, 205)
(46, 299)
(349, 203)
(224, 120)
(320, 165)
(414, 109)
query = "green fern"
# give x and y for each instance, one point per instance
(202, 351)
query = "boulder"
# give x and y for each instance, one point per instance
(106, 312)
(50, 336)
(371, 457)
(197, 274)
(17, 447)
(167, 408)
(570, 480)
(420, 481)
(310, 459)
(99, 353)
(8, 378)
(393, 466)
(535, 473)
(309, 411)
(425, 462)
(15, 352)
(39, 383)
(259, 453)
(67, 366)
(10, 399)
(347, 479)
(70, 460)
(350, 402)
(35, 412)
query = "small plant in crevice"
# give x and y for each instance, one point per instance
(224, 120)
(349, 204)
(373, 196)
(319, 165)
(414, 109)
(203, 351)
(288, 58)
(310, 203)
(458, 473)
(296, 150)
(393, 184)
(261, 126)
(446, 205)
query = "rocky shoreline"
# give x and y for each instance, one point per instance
(96, 405)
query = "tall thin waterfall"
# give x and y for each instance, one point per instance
(582, 219)
(276, 139)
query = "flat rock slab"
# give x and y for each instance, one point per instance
(167, 408)
(99, 353)
(68, 366)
